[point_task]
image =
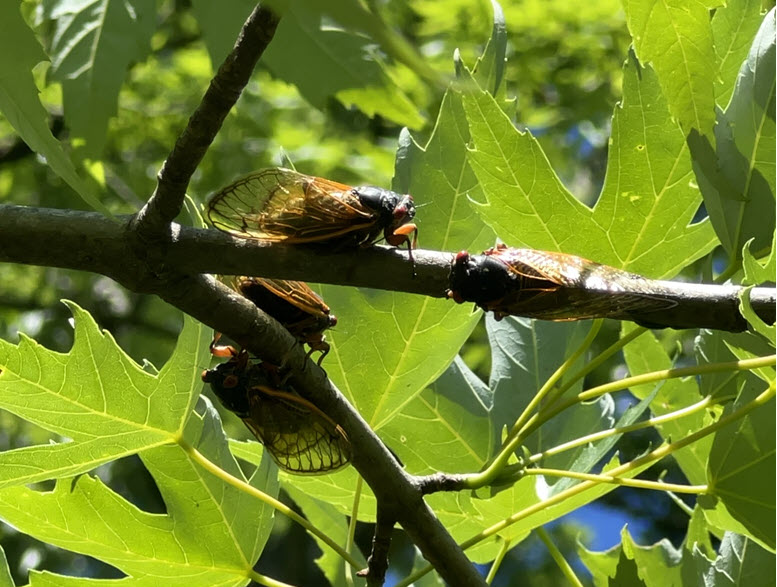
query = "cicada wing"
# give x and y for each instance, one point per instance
(575, 288)
(294, 292)
(300, 437)
(283, 205)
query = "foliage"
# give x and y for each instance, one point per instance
(693, 133)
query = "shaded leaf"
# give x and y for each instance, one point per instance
(20, 104)
(93, 44)
(742, 469)
(325, 61)
(737, 177)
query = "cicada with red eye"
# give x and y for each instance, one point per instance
(281, 205)
(292, 303)
(551, 286)
(300, 437)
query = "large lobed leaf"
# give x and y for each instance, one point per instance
(641, 221)
(110, 408)
(96, 396)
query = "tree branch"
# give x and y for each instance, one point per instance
(224, 90)
(89, 242)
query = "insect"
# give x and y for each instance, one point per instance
(550, 286)
(292, 303)
(300, 438)
(281, 205)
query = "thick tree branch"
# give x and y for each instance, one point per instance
(89, 242)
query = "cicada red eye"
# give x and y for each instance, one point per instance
(230, 381)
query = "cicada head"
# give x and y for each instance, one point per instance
(393, 209)
(229, 381)
(478, 279)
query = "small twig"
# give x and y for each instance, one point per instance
(224, 90)
(442, 482)
(377, 563)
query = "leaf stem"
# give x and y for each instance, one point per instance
(357, 494)
(601, 478)
(552, 380)
(562, 563)
(503, 550)
(267, 581)
(625, 468)
(217, 471)
(649, 423)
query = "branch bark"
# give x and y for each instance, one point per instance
(89, 242)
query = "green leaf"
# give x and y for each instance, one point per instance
(324, 61)
(741, 563)
(524, 354)
(96, 396)
(93, 44)
(632, 564)
(601, 565)
(645, 354)
(221, 23)
(5, 571)
(211, 530)
(490, 67)
(626, 574)
(20, 104)
(658, 564)
(738, 179)
(646, 204)
(675, 36)
(331, 522)
(698, 535)
(733, 28)
(445, 428)
(742, 469)
(389, 346)
(758, 270)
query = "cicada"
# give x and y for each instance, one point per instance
(281, 205)
(292, 303)
(551, 286)
(300, 437)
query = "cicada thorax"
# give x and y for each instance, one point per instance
(292, 303)
(300, 437)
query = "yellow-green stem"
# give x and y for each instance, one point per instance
(267, 581)
(538, 419)
(596, 436)
(603, 478)
(503, 550)
(217, 471)
(583, 486)
(553, 379)
(598, 360)
(493, 470)
(562, 563)
(352, 526)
